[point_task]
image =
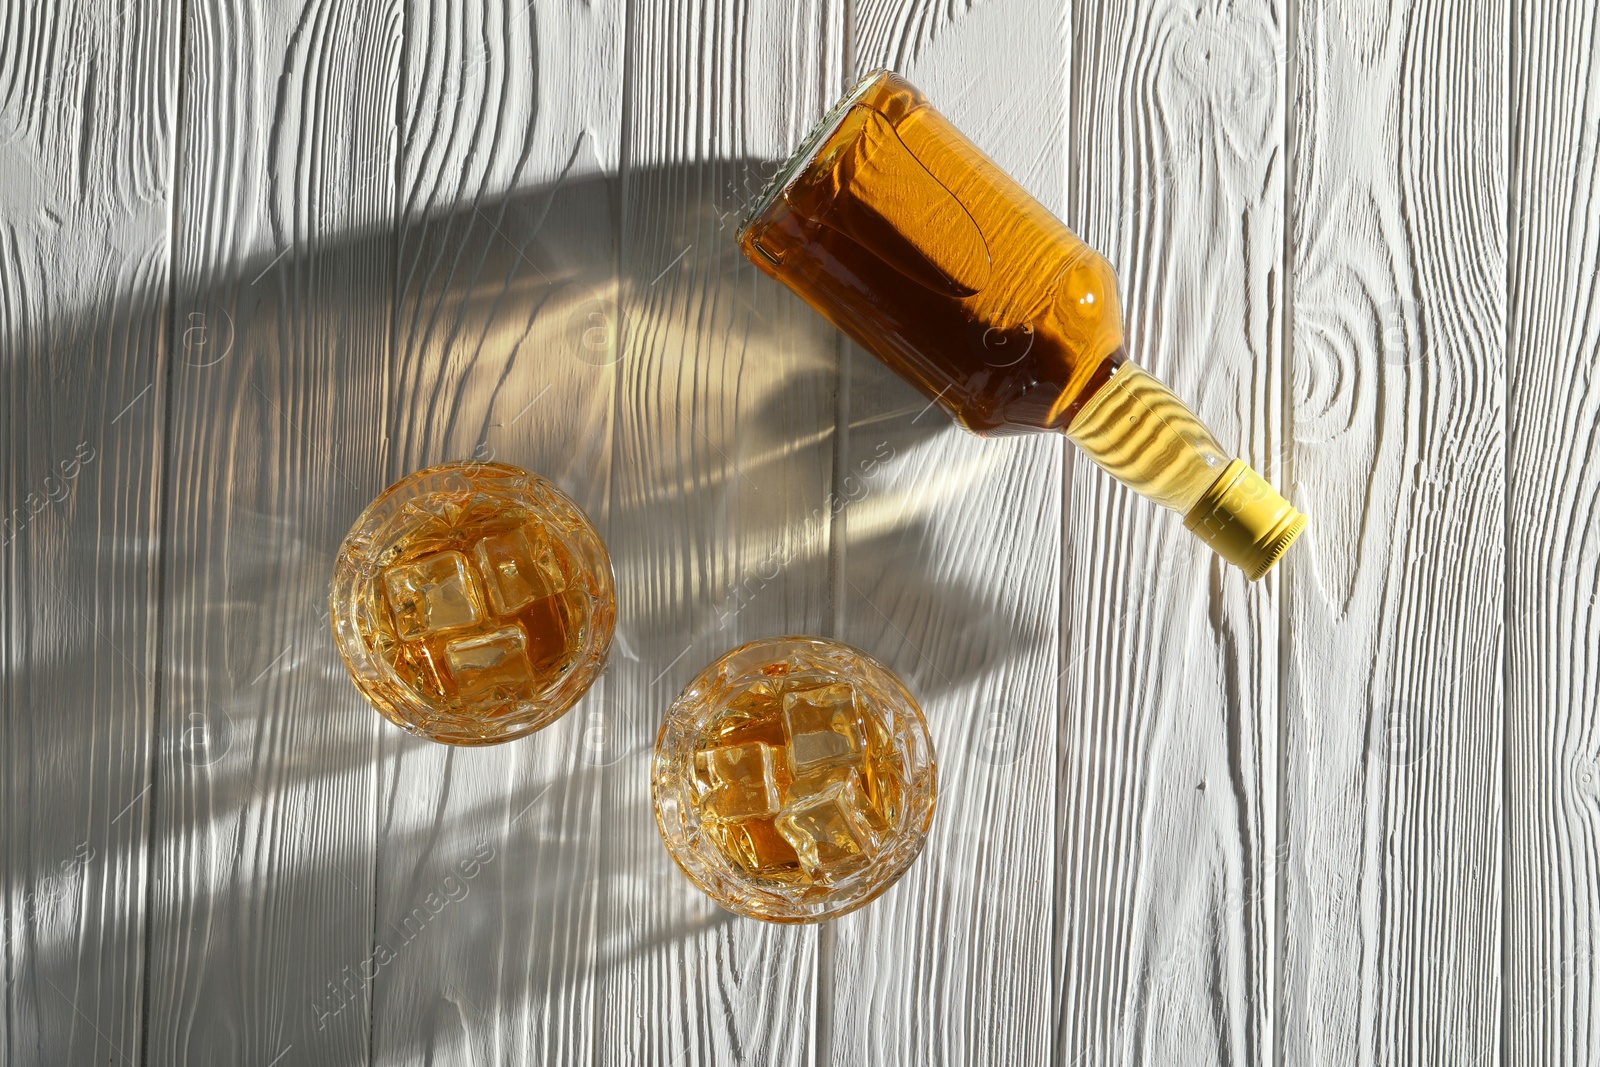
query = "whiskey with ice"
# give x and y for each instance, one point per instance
(794, 779)
(473, 603)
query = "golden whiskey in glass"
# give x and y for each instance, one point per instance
(473, 603)
(794, 779)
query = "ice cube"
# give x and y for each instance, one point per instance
(549, 635)
(809, 785)
(430, 595)
(754, 701)
(823, 728)
(734, 730)
(761, 849)
(414, 662)
(519, 566)
(827, 831)
(492, 666)
(880, 796)
(742, 778)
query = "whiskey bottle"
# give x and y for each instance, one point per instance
(903, 234)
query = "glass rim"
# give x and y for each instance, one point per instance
(681, 830)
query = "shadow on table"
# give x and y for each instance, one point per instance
(607, 334)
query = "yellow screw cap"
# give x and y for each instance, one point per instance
(1245, 520)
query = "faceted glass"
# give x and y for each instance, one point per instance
(794, 779)
(473, 603)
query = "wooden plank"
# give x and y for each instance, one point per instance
(1168, 818)
(1552, 886)
(951, 572)
(718, 523)
(505, 349)
(86, 147)
(261, 904)
(1394, 733)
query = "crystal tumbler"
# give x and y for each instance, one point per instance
(473, 603)
(794, 779)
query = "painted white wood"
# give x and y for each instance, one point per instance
(263, 257)
(262, 876)
(1394, 677)
(1551, 997)
(951, 576)
(722, 460)
(506, 263)
(1169, 791)
(86, 146)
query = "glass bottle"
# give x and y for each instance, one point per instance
(903, 234)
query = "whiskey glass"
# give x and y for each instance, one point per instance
(794, 779)
(473, 603)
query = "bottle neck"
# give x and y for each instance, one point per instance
(1148, 439)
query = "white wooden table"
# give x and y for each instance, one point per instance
(258, 259)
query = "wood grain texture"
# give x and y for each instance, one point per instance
(1167, 922)
(951, 576)
(505, 346)
(1550, 1006)
(259, 258)
(86, 136)
(262, 899)
(1394, 721)
(718, 521)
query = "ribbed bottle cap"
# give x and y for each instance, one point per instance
(1245, 520)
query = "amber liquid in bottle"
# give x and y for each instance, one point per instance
(908, 238)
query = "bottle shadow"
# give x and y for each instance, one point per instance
(603, 331)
